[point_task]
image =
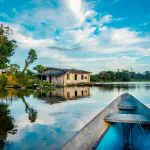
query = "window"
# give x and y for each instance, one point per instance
(76, 94)
(50, 94)
(43, 77)
(82, 93)
(50, 79)
(75, 77)
(81, 76)
(68, 94)
(68, 76)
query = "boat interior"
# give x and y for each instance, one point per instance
(129, 128)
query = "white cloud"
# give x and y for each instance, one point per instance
(106, 19)
(27, 41)
(66, 26)
(121, 63)
(68, 14)
(144, 52)
(112, 40)
(103, 28)
(76, 8)
(71, 61)
(124, 36)
(80, 34)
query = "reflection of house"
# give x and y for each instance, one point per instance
(66, 93)
(63, 77)
(71, 92)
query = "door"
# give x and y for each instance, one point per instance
(50, 79)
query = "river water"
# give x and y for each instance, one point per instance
(47, 119)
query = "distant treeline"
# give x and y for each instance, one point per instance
(120, 76)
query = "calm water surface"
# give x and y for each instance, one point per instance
(47, 119)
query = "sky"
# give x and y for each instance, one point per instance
(93, 35)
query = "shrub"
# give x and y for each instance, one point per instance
(3, 81)
(22, 79)
(47, 84)
(83, 83)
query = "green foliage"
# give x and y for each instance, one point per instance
(40, 68)
(83, 83)
(147, 75)
(120, 76)
(7, 46)
(33, 81)
(6, 124)
(95, 78)
(32, 56)
(27, 79)
(3, 81)
(22, 79)
(47, 84)
(30, 73)
(68, 85)
(13, 68)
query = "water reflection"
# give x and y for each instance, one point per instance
(63, 94)
(10, 95)
(32, 114)
(6, 94)
(6, 125)
(46, 119)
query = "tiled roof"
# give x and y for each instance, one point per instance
(58, 72)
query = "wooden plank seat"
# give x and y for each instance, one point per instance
(127, 105)
(127, 118)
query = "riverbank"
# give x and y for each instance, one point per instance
(53, 86)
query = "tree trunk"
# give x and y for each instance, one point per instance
(24, 69)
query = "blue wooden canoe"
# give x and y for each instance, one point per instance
(122, 125)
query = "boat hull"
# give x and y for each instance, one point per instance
(92, 134)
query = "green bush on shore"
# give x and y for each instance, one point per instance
(47, 84)
(3, 81)
(83, 83)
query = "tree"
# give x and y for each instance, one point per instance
(104, 76)
(22, 79)
(32, 56)
(6, 125)
(32, 114)
(95, 78)
(7, 46)
(40, 68)
(13, 68)
(3, 81)
(147, 75)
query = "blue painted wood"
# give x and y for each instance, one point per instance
(127, 105)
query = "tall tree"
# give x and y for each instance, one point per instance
(40, 68)
(32, 56)
(7, 46)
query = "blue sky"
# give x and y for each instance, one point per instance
(94, 35)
